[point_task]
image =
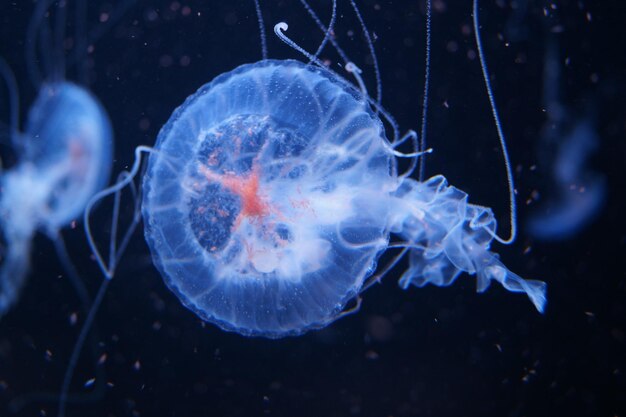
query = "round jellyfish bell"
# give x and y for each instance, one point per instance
(70, 147)
(273, 190)
(66, 158)
(258, 205)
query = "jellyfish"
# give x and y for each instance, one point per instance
(63, 156)
(272, 192)
(576, 193)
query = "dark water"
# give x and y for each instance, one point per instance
(423, 352)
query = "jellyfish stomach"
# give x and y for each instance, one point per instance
(283, 226)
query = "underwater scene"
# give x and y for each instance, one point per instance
(312, 208)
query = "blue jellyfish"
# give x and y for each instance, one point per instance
(577, 194)
(272, 191)
(263, 219)
(63, 157)
(267, 221)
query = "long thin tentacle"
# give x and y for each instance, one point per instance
(496, 118)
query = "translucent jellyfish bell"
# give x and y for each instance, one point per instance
(70, 143)
(263, 206)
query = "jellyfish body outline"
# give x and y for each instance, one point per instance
(243, 286)
(305, 251)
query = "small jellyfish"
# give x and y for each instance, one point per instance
(63, 156)
(575, 194)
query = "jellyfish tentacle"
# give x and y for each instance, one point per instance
(329, 32)
(126, 179)
(58, 69)
(70, 269)
(417, 153)
(35, 26)
(259, 16)
(280, 28)
(380, 273)
(78, 346)
(370, 46)
(348, 311)
(422, 160)
(115, 250)
(14, 101)
(326, 30)
(356, 72)
(90, 310)
(348, 65)
(501, 137)
(15, 264)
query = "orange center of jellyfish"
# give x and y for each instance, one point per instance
(246, 186)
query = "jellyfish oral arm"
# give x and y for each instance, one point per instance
(446, 236)
(493, 269)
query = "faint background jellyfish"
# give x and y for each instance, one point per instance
(62, 157)
(64, 154)
(575, 193)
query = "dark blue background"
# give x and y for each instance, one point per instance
(423, 352)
